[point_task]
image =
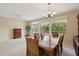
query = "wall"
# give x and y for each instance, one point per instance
(6, 28)
(72, 29)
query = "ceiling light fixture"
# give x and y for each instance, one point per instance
(49, 13)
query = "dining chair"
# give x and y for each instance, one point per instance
(32, 47)
(55, 34)
(59, 47)
(42, 36)
(37, 36)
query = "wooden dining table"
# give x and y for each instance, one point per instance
(44, 44)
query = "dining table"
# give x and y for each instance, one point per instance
(44, 44)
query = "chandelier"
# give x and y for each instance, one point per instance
(49, 15)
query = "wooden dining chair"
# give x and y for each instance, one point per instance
(55, 34)
(32, 47)
(42, 36)
(36, 36)
(59, 47)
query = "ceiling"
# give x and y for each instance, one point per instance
(31, 11)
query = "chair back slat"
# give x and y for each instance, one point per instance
(60, 42)
(59, 47)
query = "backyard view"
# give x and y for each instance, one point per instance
(58, 27)
(44, 28)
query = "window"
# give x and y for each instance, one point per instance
(44, 28)
(34, 28)
(58, 27)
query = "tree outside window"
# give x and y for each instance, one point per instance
(58, 27)
(55, 27)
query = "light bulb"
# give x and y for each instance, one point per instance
(54, 13)
(48, 12)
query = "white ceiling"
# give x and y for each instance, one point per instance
(31, 11)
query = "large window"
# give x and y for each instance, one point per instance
(56, 26)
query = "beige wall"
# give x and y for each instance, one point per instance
(6, 28)
(72, 29)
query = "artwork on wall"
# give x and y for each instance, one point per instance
(16, 33)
